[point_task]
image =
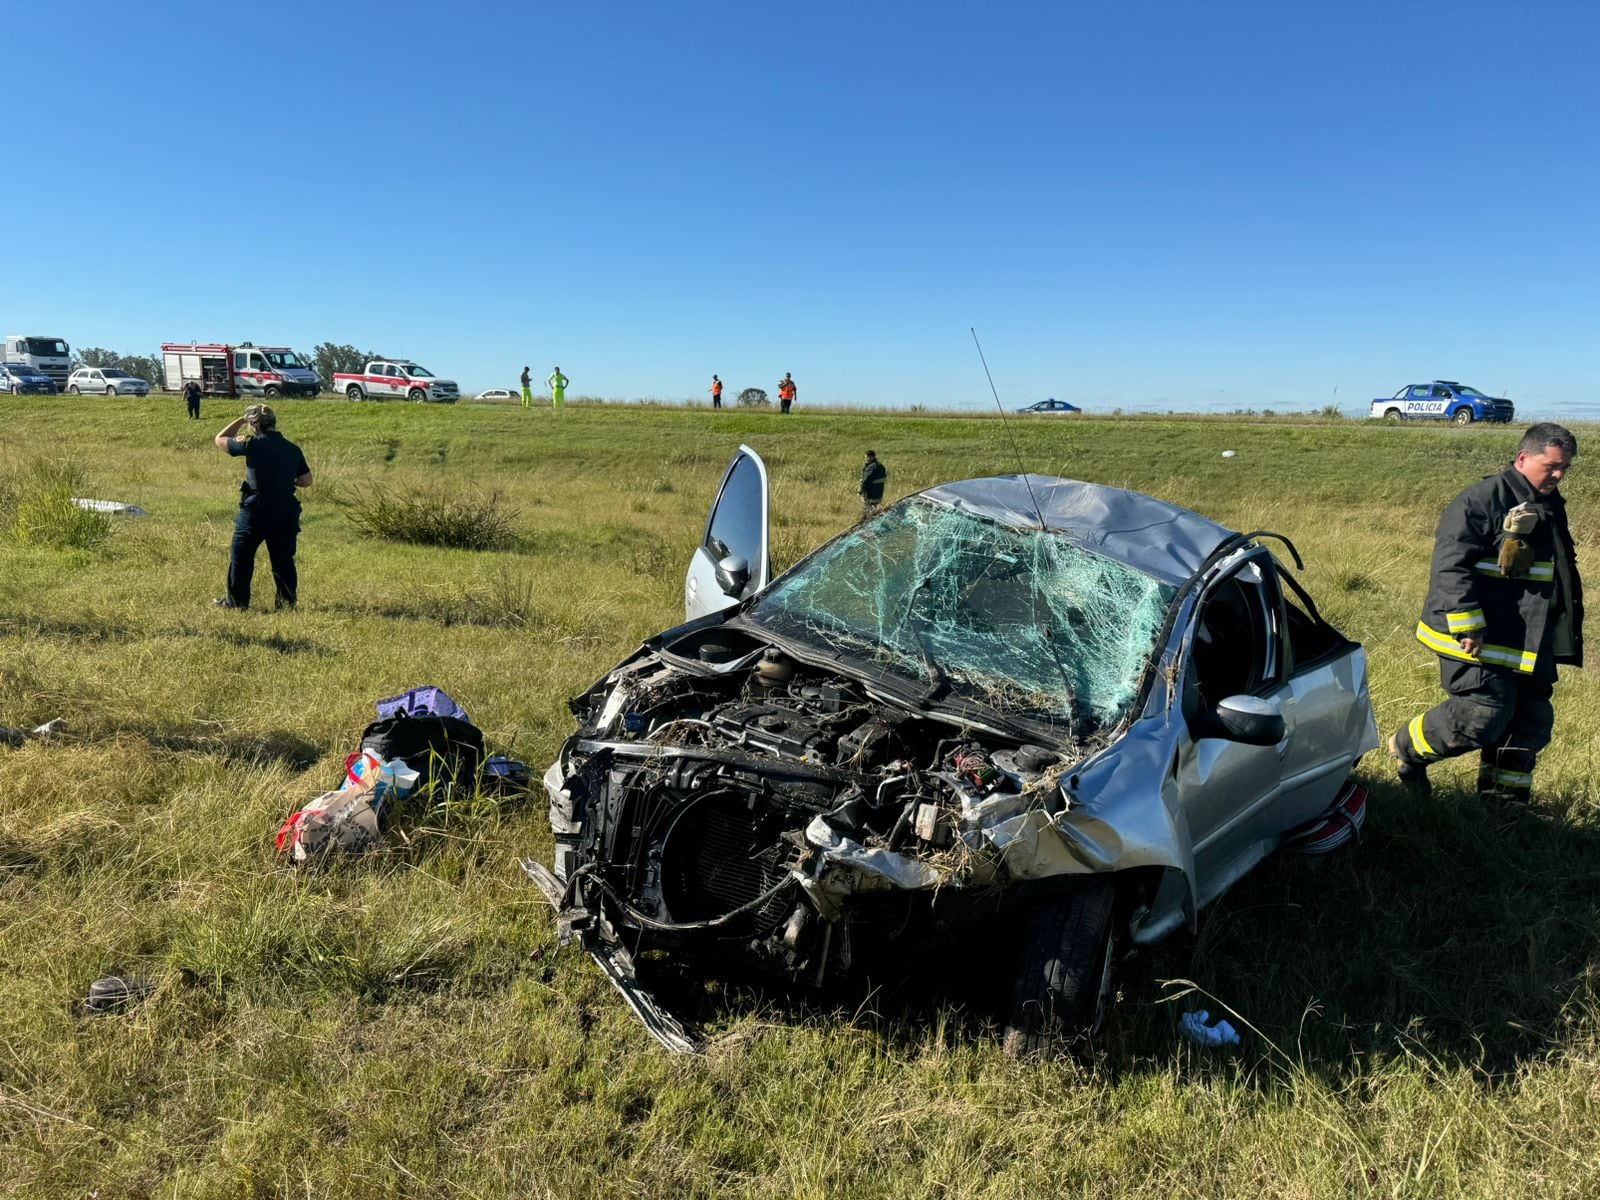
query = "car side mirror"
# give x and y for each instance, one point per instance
(733, 572)
(1251, 720)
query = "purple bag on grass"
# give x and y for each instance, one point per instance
(421, 702)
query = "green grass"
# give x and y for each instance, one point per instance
(1422, 1009)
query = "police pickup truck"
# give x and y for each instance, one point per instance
(1442, 400)
(398, 378)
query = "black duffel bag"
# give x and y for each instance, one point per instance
(444, 749)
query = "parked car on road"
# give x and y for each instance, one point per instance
(1442, 400)
(1071, 713)
(108, 380)
(498, 396)
(396, 379)
(22, 380)
(1051, 406)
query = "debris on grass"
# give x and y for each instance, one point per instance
(1202, 1031)
(112, 508)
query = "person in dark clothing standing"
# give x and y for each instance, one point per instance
(1504, 607)
(527, 388)
(873, 476)
(191, 397)
(268, 509)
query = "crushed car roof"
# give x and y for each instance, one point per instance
(1149, 535)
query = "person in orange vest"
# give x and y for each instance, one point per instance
(786, 391)
(716, 392)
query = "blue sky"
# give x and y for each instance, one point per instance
(1144, 205)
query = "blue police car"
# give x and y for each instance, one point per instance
(1442, 400)
(22, 380)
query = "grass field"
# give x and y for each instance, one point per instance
(1422, 1011)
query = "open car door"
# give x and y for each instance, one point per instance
(731, 561)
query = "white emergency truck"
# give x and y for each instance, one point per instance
(242, 370)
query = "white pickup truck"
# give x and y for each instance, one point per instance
(396, 378)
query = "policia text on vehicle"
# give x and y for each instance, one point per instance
(1504, 607)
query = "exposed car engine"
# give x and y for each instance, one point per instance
(689, 791)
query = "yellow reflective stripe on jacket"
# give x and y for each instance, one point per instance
(1488, 655)
(1419, 742)
(1539, 572)
(1516, 779)
(1465, 622)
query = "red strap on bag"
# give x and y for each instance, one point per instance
(288, 830)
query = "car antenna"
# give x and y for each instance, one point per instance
(1022, 470)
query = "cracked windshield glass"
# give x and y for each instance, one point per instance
(1016, 619)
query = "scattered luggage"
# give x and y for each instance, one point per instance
(421, 744)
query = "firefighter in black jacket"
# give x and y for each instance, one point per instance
(1505, 605)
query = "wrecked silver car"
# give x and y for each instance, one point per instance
(1015, 704)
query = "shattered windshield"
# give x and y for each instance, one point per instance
(1019, 620)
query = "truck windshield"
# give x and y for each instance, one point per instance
(47, 346)
(417, 372)
(1466, 391)
(1017, 620)
(283, 358)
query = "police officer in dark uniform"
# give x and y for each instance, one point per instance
(268, 509)
(191, 398)
(1504, 607)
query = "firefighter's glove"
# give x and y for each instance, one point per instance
(1520, 520)
(1516, 556)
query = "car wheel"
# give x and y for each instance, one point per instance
(1064, 986)
(1392, 414)
(73, 390)
(417, 395)
(111, 390)
(270, 393)
(353, 393)
(1463, 416)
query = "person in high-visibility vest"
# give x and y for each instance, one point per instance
(527, 389)
(558, 388)
(786, 391)
(716, 392)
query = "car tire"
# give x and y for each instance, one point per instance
(1392, 414)
(417, 396)
(1063, 988)
(111, 390)
(73, 390)
(270, 393)
(353, 393)
(1463, 416)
